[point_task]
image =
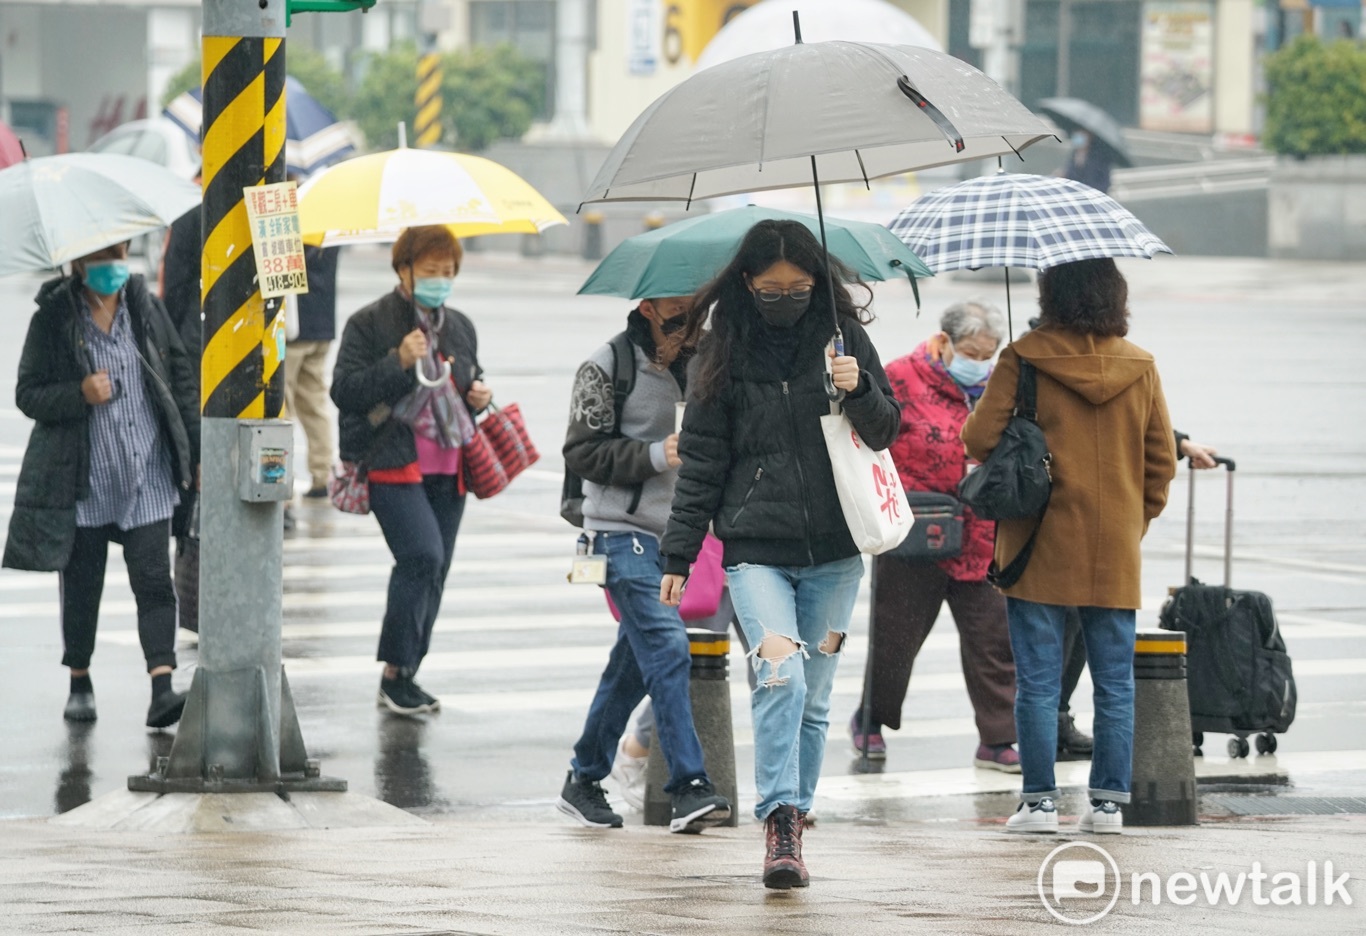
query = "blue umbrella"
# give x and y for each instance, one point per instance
(314, 138)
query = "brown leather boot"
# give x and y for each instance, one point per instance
(783, 867)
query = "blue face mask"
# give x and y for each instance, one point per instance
(966, 372)
(106, 278)
(1078, 140)
(432, 292)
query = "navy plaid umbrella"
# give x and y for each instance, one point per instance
(1018, 220)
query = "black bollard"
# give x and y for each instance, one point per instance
(710, 689)
(592, 235)
(1163, 783)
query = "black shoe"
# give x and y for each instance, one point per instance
(698, 806)
(80, 706)
(433, 703)
(402, 696)
(1072, 743)
(165, 709)
(316, 492)
(586, 801)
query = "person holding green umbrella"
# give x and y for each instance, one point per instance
(112, 391)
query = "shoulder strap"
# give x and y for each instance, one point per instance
(1026, 392)
(623, 373)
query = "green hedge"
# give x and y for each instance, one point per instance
(1316, 98)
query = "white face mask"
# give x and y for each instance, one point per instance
(966, 372)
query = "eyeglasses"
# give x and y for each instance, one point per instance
(800, 293)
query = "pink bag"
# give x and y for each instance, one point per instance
(702, 597)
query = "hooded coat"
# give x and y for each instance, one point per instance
(1114, 456)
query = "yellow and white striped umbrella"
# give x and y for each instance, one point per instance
(371, 199)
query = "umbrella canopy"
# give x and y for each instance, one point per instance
(680, 258)
(862, 110)
(1018, 220)
(58, 208)
(767, 25)
(371, 199)
(314, 138)
(1075, 114)
(11, 150)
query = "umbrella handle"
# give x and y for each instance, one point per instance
(426, 381)
(834, 393)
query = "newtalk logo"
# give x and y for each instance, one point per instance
(1080, 882)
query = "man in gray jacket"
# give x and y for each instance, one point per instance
(628, 461)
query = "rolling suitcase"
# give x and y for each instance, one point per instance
(1238, 673)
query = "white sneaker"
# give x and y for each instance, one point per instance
(1042, 817)
(629, 773)
(1105, 819)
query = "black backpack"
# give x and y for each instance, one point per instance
(1015, 481)
(623, 382)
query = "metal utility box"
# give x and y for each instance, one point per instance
(265, 460)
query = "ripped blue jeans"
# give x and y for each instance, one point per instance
(795, 619)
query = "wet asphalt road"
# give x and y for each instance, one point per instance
(1260, 359)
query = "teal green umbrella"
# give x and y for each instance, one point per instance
(680, 258)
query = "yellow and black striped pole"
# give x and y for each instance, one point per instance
(427, 126)
(244, 145)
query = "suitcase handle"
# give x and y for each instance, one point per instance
(1231, 467)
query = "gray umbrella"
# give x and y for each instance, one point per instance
(1075, 114)
(861, 110)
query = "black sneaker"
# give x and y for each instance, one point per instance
(433, 703)
(402, 697)
(698, 806)
(165, 709)
(586, 801)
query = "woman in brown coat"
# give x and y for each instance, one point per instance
(1102, 411)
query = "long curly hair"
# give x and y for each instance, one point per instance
(1087, 296)
(730, 304)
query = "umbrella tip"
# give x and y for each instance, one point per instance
(402, 135)
(797, 26)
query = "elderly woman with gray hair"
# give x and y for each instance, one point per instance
(937, 385)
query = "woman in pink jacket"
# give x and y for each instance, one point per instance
(937, 385)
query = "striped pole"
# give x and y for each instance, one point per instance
(239, 731)
(428, 100)
(244, 145)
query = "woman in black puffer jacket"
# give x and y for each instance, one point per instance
(755, 465)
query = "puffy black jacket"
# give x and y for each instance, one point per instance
(56, 468)
(367, 380)
(755, 461)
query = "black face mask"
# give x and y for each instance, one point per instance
(672, 326)
(782, 313)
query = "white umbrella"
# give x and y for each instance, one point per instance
(57, 208)
(767, 25)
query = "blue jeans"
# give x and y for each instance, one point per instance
(811, 606)
(1036, 637)
(651, 657)
(419, 522)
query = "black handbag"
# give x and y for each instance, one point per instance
(1015, 481)
(938, 530)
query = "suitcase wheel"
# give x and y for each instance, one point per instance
(1266, 743)
(1197, 739)
(1238, 747)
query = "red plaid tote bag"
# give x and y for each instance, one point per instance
(499, 451)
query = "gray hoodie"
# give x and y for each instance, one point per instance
(624, 469)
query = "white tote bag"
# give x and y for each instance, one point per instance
(869, 487)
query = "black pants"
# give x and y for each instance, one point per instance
(147, 554)
(419, 522)
(1073, 659)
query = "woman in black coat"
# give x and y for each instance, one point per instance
(407, 434)
(114, 446)
(755, 465)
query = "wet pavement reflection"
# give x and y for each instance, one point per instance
(73, 783)
(403, 775)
